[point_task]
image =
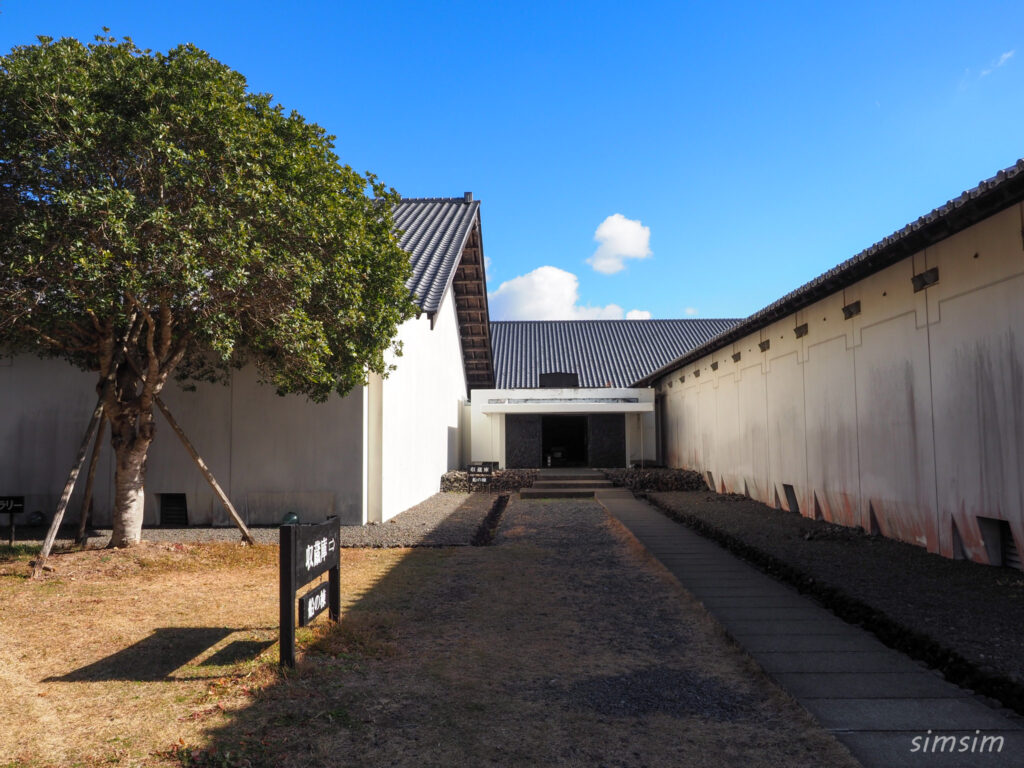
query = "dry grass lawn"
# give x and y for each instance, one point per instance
(562, 645)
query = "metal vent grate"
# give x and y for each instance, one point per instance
(173, 509)
(1011, 556)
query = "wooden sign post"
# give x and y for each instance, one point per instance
(11, 506)
(308, 551)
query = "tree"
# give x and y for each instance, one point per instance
(157, 220)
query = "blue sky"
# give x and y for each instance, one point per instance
(759, 144)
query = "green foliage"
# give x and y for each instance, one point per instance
(150, 196)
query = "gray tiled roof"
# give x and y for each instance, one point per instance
(434, 230)
(990, 196)
(603, 352)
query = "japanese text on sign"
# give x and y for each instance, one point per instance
(317, 603)
(316, 553)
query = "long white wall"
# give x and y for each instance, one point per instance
(908, 417)
(271, 454)
(45, 407)
(423, 400)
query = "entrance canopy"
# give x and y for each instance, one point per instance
(575, 400)
(563, 426)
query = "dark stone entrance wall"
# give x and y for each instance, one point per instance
(607, 439)
(522, 440)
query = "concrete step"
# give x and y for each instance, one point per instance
(554, 474)
(556, 493)
(574, 483)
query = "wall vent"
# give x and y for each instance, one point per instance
(736, 357)
(559, 380)
(1011, 555)
(173, 509)
(926, 278)
(999, 543)
(682, 379)
(714, 366)
(794, 505)
(765, 345)
(696, 373)
(800, 330)
(851, 310)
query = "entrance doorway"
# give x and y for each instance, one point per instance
(564, 441)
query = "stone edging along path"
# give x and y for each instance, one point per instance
(853, 609)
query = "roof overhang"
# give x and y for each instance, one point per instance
(469, 290)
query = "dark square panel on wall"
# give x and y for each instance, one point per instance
(607, 439)
(522, 440)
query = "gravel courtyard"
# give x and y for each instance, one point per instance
(562, 644)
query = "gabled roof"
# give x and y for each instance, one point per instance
(442, 236)
(990, 196)
(603, 352)
(434, 232)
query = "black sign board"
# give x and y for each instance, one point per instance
(316, 549)
(313, 603)
(480, 472)
(308, 551)
(11, 506)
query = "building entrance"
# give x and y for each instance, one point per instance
(564, 441)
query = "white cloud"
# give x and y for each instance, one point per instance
(691, 311)
(620, 239)
(638, 314)
(1000, 62)
(549, 293)
(487, 266)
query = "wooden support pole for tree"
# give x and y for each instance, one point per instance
(69, 486)
(89, 478)
(206, 472)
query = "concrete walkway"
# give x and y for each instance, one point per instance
(876, 701)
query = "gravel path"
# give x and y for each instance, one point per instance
(443, 520)
(960, 617)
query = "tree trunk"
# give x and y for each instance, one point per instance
(129, 479)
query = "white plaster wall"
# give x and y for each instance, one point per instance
(487, 433)
(45, 407)
(641, 437)
(909, 415)
(422, 408)
(271, 454)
